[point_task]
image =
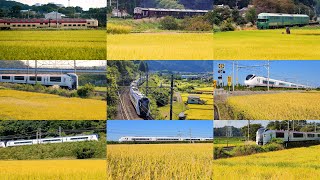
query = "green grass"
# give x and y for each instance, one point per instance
(231, 141)
(143, 25)
(65, 150)
(53, 45)
(176, 108)
(301, 44)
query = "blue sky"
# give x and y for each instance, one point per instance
(304, 72)
(117, 129)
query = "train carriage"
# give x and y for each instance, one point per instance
(69, 80)
(161, 139)
(277, 20)
(264, 136)
(140, 102)
(67, 23)
(140, 13)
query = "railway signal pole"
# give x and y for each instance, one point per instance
(171, 98)
(233, 74)
(36, 70)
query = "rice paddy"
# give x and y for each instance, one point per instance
(199, 111)
(53, 169)
(281, 106)
(20, 105)
(53, 45)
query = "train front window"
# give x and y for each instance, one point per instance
(262, 20)
(249, 77)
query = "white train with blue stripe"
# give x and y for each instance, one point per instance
(253, 80)
(140, 102)
(69, 80)
(264, 136)
(79, 138)
(160, 139)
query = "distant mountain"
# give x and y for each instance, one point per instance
(4, 4)
(12, 64)
(181, 66)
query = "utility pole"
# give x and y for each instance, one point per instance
(237, 74)
(75, 65)
(117, 8)
(248, 130)
(292, 125)
(233, 74)
(59, 131)
(147, 83)
(171, 98)
(315, 127)
(190, 134)
(268, 68)
(36, 70)
(28, 67)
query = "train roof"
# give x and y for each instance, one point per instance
(280, 14)
(165, 137)
(270, 79)
(176, 10)
(43, 20)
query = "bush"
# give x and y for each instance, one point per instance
(85, 153)
(247, 150)
(118, 29)
(273, 147)
(218, 153)
(169, 23)
(197, 23)
(86, 91)
(227, 25)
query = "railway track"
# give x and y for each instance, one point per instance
(126, 111)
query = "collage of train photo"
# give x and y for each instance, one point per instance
(159, 89)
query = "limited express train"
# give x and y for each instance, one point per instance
(276, 20)
(161, 139)
(264, 136)
(140, 102)
(253, 80)
(67, 23)
(92, 137)
(140, 13)
(69, 80)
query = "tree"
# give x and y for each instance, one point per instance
(15, 11)
(142, 66)
(169, 23)
(251, 15)
(253, 129)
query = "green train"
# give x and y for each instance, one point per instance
(274, 20)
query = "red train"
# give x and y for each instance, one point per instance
(48, 23)
(140, 13)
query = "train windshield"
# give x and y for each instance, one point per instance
(144, 106)
(262, 20)
(74, 81)
(249, 76)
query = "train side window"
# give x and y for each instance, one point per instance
(83, 25)
(74, 25)
(19, 78)
(55, 79)
(311, 135)
(41, 23)
(69, 24)
(8, 23)
(298, 135)
(64, 25)
(23, 25)
(279, 135)
(14, 25)
(46, 23)
(79, 24)
(19, 25)
(29, 25)
(5, 77)
(33, 25)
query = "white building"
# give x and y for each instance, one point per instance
(54, 15)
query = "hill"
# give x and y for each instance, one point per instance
(181, 66)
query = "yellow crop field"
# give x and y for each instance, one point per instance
(20, 105)
(281, 106)
(53, 45)
(160, 46)
(53, 169)
(159, 161)
(297, 163)
(267, 44)
(199, 111)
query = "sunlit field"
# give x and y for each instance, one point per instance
(199, 111)
(281, 106)
(160, 46)
(267, 44)
(53, 45)
(159, 161)
(20, 105)
(53, 169)
(298, 163)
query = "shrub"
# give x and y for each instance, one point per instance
(86, 91)
(84, 153)
(273, 147)
(197, 23)
(118, 29)
(218, 153)
(247, 150)
(169, 23)
(227, 25)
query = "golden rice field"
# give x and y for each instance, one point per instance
(298, 163)
(281, 106)
(159, 161)
(267, 44)
(20, 105)
(198, 111)
(160, 46)
(53, 169)
(53, 45)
